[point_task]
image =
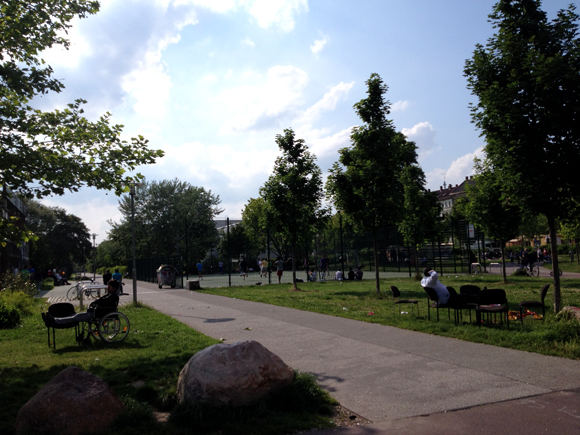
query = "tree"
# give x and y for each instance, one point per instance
(46, 153)
(171, 217)
(421, 220)
(62, 239)
(293, 194)
(366, 183)
(570, 230)
(528, 84)
(490, 210)
(259, 231)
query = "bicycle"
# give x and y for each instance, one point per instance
(74, 292)
(559, 272)
(532, 269)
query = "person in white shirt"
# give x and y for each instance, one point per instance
(431, 279)
(339, 275)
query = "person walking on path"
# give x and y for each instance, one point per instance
(117, 276)
(279, 269)
(107, 277)
(199, 270)
(264, 270)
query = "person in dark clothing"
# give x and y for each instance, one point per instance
(110, 300)
(107, 276)
(350, 274)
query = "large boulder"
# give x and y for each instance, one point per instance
(237, 374)
(72, 402)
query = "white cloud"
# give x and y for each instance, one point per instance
(423, 134)
(276, 13)
(328, 102)
(148, 86)
(457, 171)
(248, 42)
(210, 78)
(329, 145)
(260, 105)
(318, 45)
(399, 106)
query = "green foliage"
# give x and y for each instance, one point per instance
(10, 283)
(9, 316)
(530, 120)
(367, 181)
(421, 221)
(293, 193)
(62, 239)
(170, 215)
(46, 153)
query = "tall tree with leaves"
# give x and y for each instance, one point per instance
(47, 153)
(62, 239)
(293, 194)
(421, 220)
(171, 217)
(259, 230)
(527, 80)
(366, 183)
(487, 208)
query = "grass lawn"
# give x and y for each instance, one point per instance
(358, 300)
(143, 371)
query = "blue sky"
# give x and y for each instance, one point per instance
(212, 82)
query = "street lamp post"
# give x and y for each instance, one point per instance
(94, 256)
(134, 272)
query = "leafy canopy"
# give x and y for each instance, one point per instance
(366, 183)
(46, 153)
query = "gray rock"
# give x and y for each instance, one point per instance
(569, 312)
(237, 374)
(72, 402)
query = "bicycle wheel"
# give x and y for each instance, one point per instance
(72, 294)
(114, 328)
(535, 271)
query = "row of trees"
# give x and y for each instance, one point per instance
(376, 182)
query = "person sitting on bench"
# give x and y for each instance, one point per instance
(110, 300)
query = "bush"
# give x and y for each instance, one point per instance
(11, 283)
(9, 317)
(21, 302)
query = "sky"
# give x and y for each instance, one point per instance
(212, 82)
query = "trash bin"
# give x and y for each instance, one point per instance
(166, 275)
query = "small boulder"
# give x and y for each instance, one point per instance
(72, 402)
(569, 312)
(237, 374)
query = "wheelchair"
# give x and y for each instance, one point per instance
(108, 325)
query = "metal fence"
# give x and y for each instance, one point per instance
(458, 245)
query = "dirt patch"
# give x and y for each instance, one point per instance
(345, 417)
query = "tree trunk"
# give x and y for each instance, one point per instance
(376, 258)
(293, 265)
(555, 268)
(502, 244)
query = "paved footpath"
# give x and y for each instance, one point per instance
(404, 382)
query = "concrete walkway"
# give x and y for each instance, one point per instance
(404, 382)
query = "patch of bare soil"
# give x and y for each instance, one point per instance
(345, 417)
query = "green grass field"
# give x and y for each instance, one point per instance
(358, 300)
(143, 371)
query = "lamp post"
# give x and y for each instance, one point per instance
(94, 256)
(134, 271)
